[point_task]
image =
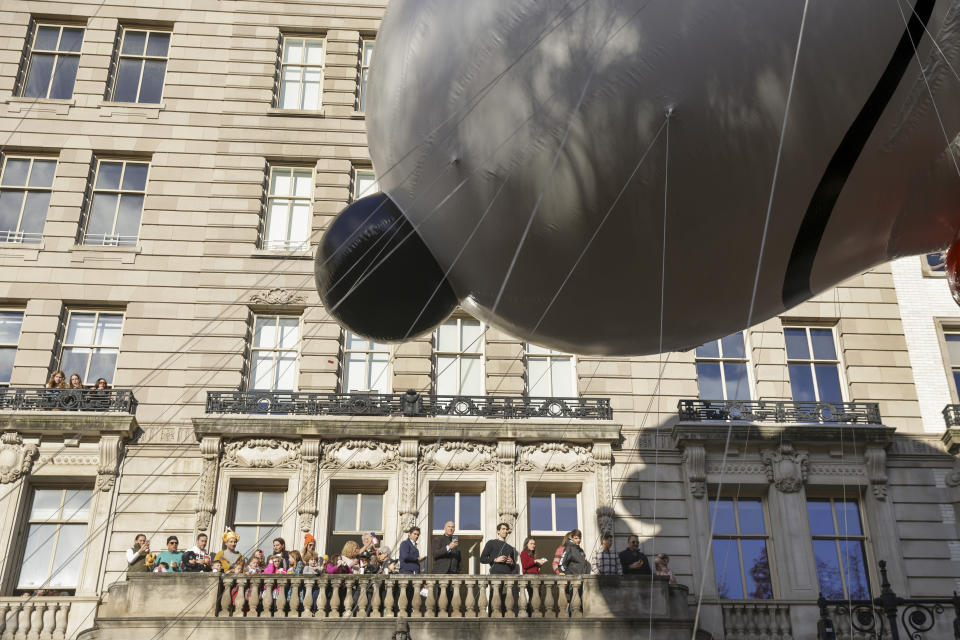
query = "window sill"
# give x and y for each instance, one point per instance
(92, 252)
(28, 251)
(149, 111)
(358, 115)
(295, 113)
(306, 254)
(19, 104)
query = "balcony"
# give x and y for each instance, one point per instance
(951, 416)
(43, 399)
(779, 411)
(410, 404)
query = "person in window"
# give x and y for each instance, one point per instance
(76, 382)
(446, 551)
(229, 556)
(529, 563)
(101, 384)
(137, 555)
(173, 557)
(500, 554)
(410, 557)
(574, 560)
(606, 562)
(558, 552)
(57, 380)
(200, 548)
(280, 549)
(632, 560)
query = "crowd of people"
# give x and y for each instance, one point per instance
(370, 557)
(58, 380)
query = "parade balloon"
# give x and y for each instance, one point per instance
(600, 176)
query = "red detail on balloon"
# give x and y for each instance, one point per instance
(952, 267)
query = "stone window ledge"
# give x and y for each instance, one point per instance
(126, 110)
(25, 251)
(26, 106)
(295, 113)
(306, 254)
(92, 252)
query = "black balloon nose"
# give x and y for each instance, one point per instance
(377, 277)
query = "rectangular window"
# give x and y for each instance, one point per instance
(553, 513)
(257, 518)
(274, 353)
(935, 264)
(91, 345)
(364, 183)
(740, 556)
(117, 203)
(141, 66)
(550, 374)
(10, 325)
(459, 358)
(301, 74)
(722, 369)
(25, 188)
(838, 547)
(366, 365)
(289, 209)
(57, 529)
(951, 339)
(355, 513)
(465, 510)
(52, 64)
(813, 364)
(366, 57)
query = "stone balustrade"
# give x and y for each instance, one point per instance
(34, 618)
(747, 620)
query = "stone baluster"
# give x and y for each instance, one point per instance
(470, 606)
(49, 621)
(548, 601)
(349, 584)
(404, 602)
(240, 602)
(771, 622)
(322, 585)
(783, 615)
(23, 621)
(563, 600)
(267, 598)
(416, 608)
(335, 582)
(509, 599)
(735, 624)
(309, 584)
(388, 599)
(496, 610)
(225, 596)
(431, 600)
(63, 614)
(296, 585)
(535, 603)
(456, 605)
(482, 601)
(753, 629)
(523, 597)
(254, 592)
(576, 604)
(4, 612)
(280, 595)
(367, 589)
(443, 602)
(11, 619)
(36, 620)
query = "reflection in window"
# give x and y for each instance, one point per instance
(273, 358)
(463, 509)
(55, 539)
(459, 357)
(141, 66)
(91, 345)
(937, 262)
(257, 519)
(740, 557)
(813, 364)
(54, 57)
(10, 324)
(550, 374)
(301, 74)
(117, 203)
(553, 513)
(25, 187)
(722, 369)
(838, 547)
(366, 365)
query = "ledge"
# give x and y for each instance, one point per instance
(68, 423)
(283, 254)
(151, 111)
(704, 433)
(395, 428)
(84, 252)
(28, 251)
(295, 113)
(19, 104)
(951, 440)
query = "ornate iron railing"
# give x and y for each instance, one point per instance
(43, 399)
(951, 415)
(779, 411)
(409, 404)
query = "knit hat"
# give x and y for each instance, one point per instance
(307, 539)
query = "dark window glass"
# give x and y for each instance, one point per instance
(726, 564)
(796, 340)
(443, 510)
(801, 382)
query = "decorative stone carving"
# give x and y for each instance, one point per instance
(458, 456)
(360, 454)
(307, 509)
(875, 459)
(842, 470)
(16, 458)
(278, 297)
(262, 453)
(602, 454)
(736, 468)
(952, 479)
(108, 463)
(786, 468)
(507, 482)
(206, 493)
(72, 459)
(554, 456)
(407, 454)
(695, 460)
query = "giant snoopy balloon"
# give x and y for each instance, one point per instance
(540, 161)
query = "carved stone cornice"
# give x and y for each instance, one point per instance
(694, 460)
(307, 508)
(206, 492)
(360, 454)
(278, 297)
(261, 453)
(16, 458)
(108, 463)
(875, 461)
(407, 453)
(458, 456)
(67, 424)
(554, 456)
(785, 467)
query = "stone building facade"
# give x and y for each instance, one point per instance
(168, 166)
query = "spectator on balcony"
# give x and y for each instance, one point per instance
(76, 382)
(163, 567)
(333, 565)
(661, 564)
(377, 562)
(57, 380)
(229, 556)
(253, 566)
(261, 558)
(137, 555)
(173, 557)
(311, 567)
(410, 557)
(500, 554)
(280, 549)
(190, 564)
(200, 548)
(606, 562)
(310, 549)
(529, 563)
(574, 561)
(446, 551)
(275, 564)
(558, 552)
(632, 560)
(101, 384)
(296, 562)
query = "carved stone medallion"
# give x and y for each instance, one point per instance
(554, 456)
(786, 468)
(458, 456)
(360, 454)
(16, 458)
(262, 453)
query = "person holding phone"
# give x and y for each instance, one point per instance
(446, 551)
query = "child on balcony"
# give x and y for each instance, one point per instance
(296, 562)
(311, 567)
(253, 567)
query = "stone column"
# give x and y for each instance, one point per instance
(206, 492)
(307, 509)
(507, 482)
(408, 484)
(603, 458)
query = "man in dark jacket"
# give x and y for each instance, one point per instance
(410, 557)
(574, 560)
(498, 553)
(446, 551)
(633, 561)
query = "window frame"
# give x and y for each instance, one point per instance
(250, 378)
(355, 186)
(112, 239)
(933, 272)
(64, 345)
(260, 524)
(945, 327)
(16, 236)
(364, 66)
(333, 531)
(27, 62)
(345, 364)
(267, 243)
(456, 511)
(553, 494)
(739, 536)
(281, 66)
(12, 345)
(119, 56)
(812, 361)
(481, 355)
(549, 354)
(863, 538)
(722, 360)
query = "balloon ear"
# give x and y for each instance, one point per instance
(376, 276)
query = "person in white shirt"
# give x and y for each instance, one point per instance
(137, 554)
(201, 553)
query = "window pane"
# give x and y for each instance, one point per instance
(10, 204)
(271, 506)
(796, 344)
(290, 89)
(286, 372)
(158, 44)
(278, 224)
(69, 555)
(367, 53)
(35, 211)
(708, 381)
(823, 347)
(281, 182)
(151, 87)
(828, 569)
(76, 504)
(300, 224)
(102, 212)
(471, 378)
(828, 382)
(848, 518)
(128, 80)
(709, 350)
(821, 517)
(64, 76)
(443, 511)
(738, 387)
(540, 516)
(46, 504)
(75, 360)
(447, 375)
(262, 373)
(538, 376)
(471, 515)
(248, 539)
(379, 375)
(314, 51)
(721, 514)
(750, 513)
(756, 569)
(47, 37)
(128, 217)
(726, 564)
(733, 346)
(38, 77)
(265, 332)
(356, 373)
(134, 42)
(247, 508)
(447, 336)
(366, 184)
(472, 337)
(10, 324)
(293, 50)
(563, 380)
(345, 517)
(566, 513)
(108, 175)
(71, 39)
(80, 329)
(103, 364)
(953, 347)
(16, 170)
(371, 512)
(108, 330)
(303, 183)
(312, 81)
(7, 355)
(42, 173)
(36, 555)
(801, 382)
(855, 569)
(135, 176)
(289, 332)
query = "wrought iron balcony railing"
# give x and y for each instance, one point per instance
(409, 404)
(779, 411)
(951, 415)
(44, 399)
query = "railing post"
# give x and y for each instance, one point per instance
(224, 596)
(63, 614)
(36, 620)
(404, 601)
(825, 628)
(349, 584)
(457, 603)
(563, 603)
(482, 599)
(444, 601)
(335, 596)
(495, 599)
(548, 601)
(253, 596)
(388, 599)
(535, 603)
(576, 605)
(509, 601)
(267, 598)
(239, 604)
(471, 603)
(431, 601)
(416, 610)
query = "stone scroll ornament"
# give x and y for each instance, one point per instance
(786, 468)
(262, 453)
(16, 458)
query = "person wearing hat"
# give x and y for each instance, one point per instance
(309, 549)
(230, 556)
